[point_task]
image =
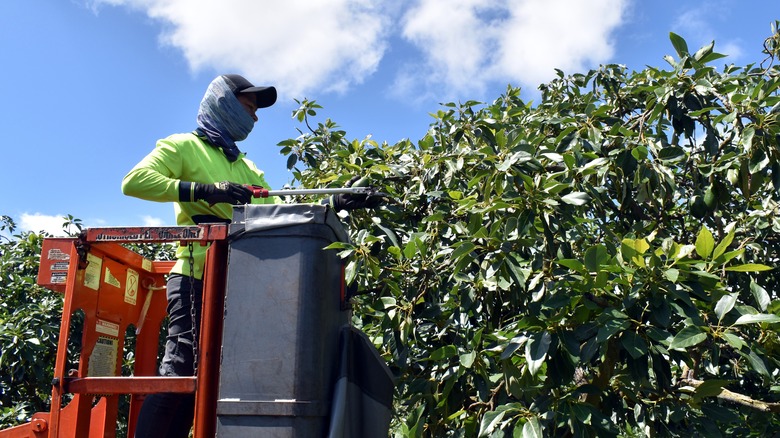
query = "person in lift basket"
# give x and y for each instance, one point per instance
(204, 174)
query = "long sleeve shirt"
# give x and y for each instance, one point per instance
(164, 176)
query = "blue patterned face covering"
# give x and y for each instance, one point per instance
(222, 119)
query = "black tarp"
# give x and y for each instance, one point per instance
(363, 393)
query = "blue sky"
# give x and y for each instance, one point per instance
(88, 86)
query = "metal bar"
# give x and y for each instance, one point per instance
(214, 280)
(333, 191)
(144, 234)
(205, 232)
(128, 385)
(62, 345)
(261, 192)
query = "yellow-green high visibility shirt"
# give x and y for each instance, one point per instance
(188, 158)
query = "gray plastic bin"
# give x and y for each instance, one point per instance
(283, 316)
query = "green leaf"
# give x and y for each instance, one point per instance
(467, 359)
(395, 251)
(725, 258)
(757, 363)
(634, 344)
(671, 153)
(747, 138)
(704, 51)
(388, 302)
(723, 245)
(633, 250)
(761, 295)
(705, 243)
(536, 351)
(595, 256)
(680, 46)
(735, 341)
(490, 420)
(721, 414)
(513, 345)
(576, 198)
(463, 249)
(724, 305)
(688, 337)
(445, 352)
(757, 318)
(574, 265)
(758, 161)
(611, 327)
(711, 388)
(410, 249)
(711, 57)
(672, 275)
(291, 161)
(532, 429)
(749, 267)
(456, 414)
(641, 246)
(350, 272)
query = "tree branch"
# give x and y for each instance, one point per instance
(738, 398)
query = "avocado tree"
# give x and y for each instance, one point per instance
(599, 263)
(30, 318)
(29, 325)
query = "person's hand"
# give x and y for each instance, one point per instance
(224, 191)
(354, 201)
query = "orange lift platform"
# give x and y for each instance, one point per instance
(269, 272)
(121, 292)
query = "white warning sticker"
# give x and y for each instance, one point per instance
(59, 266)
(131, 287)
(57, 254)
(110, 279)
(107, 327)
(92, 272)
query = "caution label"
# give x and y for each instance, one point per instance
(58, 278)
(131, 287)
(102, 361)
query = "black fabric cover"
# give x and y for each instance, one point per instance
(363, 393)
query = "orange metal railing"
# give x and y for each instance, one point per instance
(117, 290)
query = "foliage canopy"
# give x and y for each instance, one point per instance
(598, 264)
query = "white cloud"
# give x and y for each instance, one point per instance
(453, 38)
(540, 36)
(298, 45)
(150, 221)
(470, 43)
(37, 222)
(333, 45)
(53, 224)
(733, 49)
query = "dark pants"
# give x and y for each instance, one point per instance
(171, 414)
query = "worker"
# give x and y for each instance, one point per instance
(204, 174)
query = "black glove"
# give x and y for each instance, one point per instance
(224, 191)
(354, 201)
